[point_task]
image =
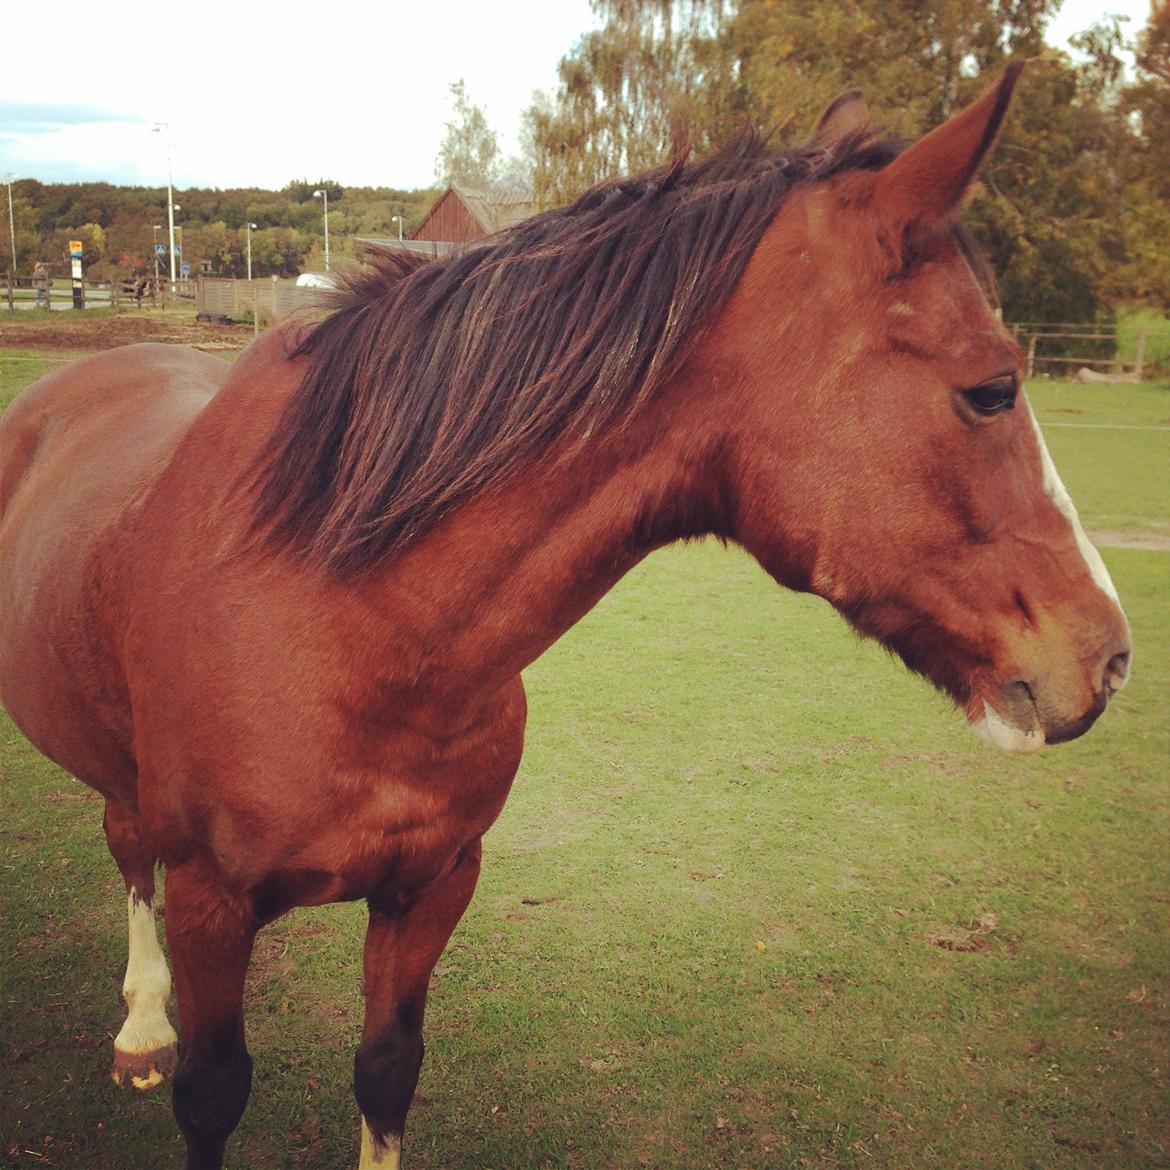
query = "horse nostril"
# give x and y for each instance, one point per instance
(1116, 671)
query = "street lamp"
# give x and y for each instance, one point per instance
(11, 221)
(324, 195)
(398, 219)
(250, 227)
(158, 128)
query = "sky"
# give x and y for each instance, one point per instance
(258, 93)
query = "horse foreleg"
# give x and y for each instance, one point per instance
(210, 932)
(145, 1048)
(403, 943)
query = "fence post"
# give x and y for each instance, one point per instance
(1139, 358)
(1032, 356)
(11, 298)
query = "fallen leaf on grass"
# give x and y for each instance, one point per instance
(968, 939)
(608, 1063)
(1085, 1145)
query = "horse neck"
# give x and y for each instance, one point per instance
(504, 576)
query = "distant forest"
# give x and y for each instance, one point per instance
(119, 226)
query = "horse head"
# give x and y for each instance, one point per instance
(883, 453)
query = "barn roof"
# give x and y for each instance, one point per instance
(434, 248)
(489, 211)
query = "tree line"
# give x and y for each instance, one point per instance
(1074, 209)
(119, 227)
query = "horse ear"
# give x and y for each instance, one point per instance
(925, 185)
(845, 116)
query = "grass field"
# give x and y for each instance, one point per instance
(1112, 446)
(758, 900)
(1133, 321)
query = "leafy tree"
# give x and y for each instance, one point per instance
(1064, 200)
(657, 76)
(301, 190)
(1046, 209)
(1144, 164)
(469, 153)
(29, 246)
(912, 58)
(93, 240)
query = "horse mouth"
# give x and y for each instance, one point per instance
(1017, 728)
(1020, 723)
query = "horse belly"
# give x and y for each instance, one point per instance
(78, 450)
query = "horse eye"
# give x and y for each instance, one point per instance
(994, 396)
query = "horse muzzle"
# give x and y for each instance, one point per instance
(1023, 715)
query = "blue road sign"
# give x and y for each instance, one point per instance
(160, 249)
(186, 268)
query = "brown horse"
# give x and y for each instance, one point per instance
(276, 611)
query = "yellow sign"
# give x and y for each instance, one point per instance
(76, 246)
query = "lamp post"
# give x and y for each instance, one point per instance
(250, 227)
(324, 196)
(158, 128)
(11, 221)
(398, 218)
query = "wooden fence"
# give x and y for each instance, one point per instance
(1041, 340)
(95, 293)
(219, 299)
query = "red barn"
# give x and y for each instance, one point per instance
(461, 215)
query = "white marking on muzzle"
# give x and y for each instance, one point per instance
(1001, 734)
(1060, 497)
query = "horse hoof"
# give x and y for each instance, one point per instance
(144, 1070)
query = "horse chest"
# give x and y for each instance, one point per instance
(386, 827)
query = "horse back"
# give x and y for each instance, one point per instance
(79, 450)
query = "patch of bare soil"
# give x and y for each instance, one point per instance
(79, 334)
(1115, 538)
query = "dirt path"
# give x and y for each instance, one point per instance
(1122, 538)
(83, 334)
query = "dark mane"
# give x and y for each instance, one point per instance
(430, 380)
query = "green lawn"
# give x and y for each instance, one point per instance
(1133, 321)
(759, 900)
(19, 367)
(1112, 446)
